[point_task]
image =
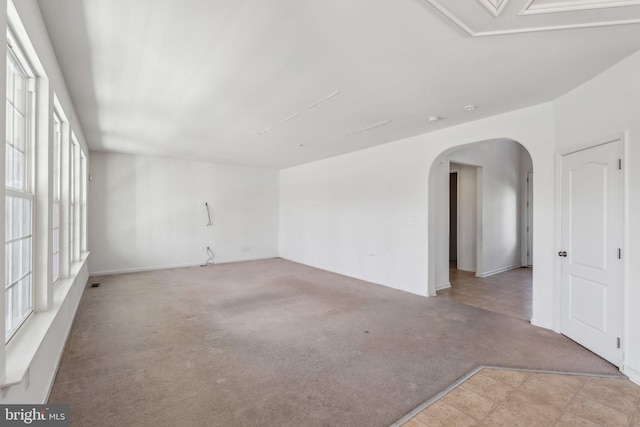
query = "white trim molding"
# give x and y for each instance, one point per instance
(443, 286)
(498, 270)
(632, 374)
(172, 266)
(533, 6)
(543, 324)
(494, 6)
(525, 16)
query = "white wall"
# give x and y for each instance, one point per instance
(609, 105)
(500, 202)
(147, 213)
(370, 214)
(467, 215)
(362, 214)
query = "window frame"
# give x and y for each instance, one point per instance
(19, 61)
(83, 181)
(56, 197)
(73, 184)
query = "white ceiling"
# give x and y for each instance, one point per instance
(247, 82)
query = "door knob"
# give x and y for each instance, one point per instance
(562, 253)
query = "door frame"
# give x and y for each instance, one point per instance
(526, 235)
(622, 138)
(479, 170)
(457, 172)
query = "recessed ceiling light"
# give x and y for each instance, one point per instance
(434, 119)
(470, 108)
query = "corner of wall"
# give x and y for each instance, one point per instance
(633, 374)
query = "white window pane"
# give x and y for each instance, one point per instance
(19, 132)
(8, 164)
(7, 265)
(9, 80)
(26, 256)
(56, 172)
(7, 310)
(16, 254)
(26, 297)
(26, 217)
(19, 92)
(9, 121)
(16, 217)
(15, 304)
(56, 215)
(55, 242)
(7, 218)
(18, 170)
(56, 266)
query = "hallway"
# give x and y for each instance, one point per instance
(505, 293)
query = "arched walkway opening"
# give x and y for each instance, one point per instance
(481, 224)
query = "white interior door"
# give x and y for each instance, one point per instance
(591, 237)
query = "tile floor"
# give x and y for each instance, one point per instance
(494, 397)
(506, 293)
(497, 397)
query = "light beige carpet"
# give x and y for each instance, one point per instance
(275, 343)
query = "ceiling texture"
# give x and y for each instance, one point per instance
(284, 82)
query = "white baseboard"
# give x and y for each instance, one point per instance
(498, 270)
(443, 286)
(632, 374)
(419, 292)
(168, 267)
(140, 269)
(231, 260)
(542, 324)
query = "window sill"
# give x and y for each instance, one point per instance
(25, 343)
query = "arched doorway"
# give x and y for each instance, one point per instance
(493, 200)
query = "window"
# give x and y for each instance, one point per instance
(83, 202)
(18, 195)
(72, 198)
(57, 143)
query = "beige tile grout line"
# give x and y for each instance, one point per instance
(499, 404)
(474, 371)
(636, 410)
(636, 413)
(566, 406)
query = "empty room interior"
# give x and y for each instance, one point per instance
(336, 213)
